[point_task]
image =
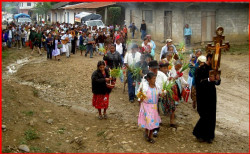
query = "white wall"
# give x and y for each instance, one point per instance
(235, 20)
(23, 5)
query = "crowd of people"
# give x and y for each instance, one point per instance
(152, 77)
(64, 39)
(112, 43)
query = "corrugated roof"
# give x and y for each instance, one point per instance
(58, 5)
(91, 5)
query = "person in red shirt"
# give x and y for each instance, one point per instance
(125, 30)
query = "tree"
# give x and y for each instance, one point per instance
(14, 10)
(43, 8)
(114, 15)
(53, 3)
(9, 7)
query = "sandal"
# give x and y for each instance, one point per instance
(145, 136)
(173, 126)
(105, 116)
(151, 141)
(100, 117)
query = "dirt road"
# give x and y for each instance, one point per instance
(46, 105)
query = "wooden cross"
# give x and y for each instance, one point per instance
(216, 50)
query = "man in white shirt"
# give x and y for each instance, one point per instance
(164, 49)
(67, 35)
(119, 48)
(10, 37)
(130, 59)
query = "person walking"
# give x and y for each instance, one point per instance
(49, 46)
(143, 29)
(204, 130)
(148, 116)
(100, 90)
(132, 29)
(130, 59)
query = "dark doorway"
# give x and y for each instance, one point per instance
(167, 24)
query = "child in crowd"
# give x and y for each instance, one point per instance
(56, 51)
(143, 64)
(148, 116)
(179, 79)
(191, 71)
(167, 103)
(82, 45)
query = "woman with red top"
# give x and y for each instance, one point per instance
(100, 90)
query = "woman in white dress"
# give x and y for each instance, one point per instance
(56, 51)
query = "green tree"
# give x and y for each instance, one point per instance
(53, 3)
(14, 10)
(114, 14)
(9, 7)
(43, 8)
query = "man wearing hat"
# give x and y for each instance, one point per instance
(206, 101)
(160, 79)
(164, 49)
(130, 59)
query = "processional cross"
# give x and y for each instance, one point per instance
(215, 49)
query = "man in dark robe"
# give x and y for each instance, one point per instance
(206, 101)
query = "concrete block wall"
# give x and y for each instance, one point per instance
(193, 19)
(156, 28)
(177, 25)
(233, 17)
(235, 23)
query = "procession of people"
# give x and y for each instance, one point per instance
(158, 86)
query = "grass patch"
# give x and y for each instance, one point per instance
(58, 144)
(47, 150)
(5, 54)
(35, 92)
(6, 151)
(31, 134)
(23, 141)
(61, 130)
(34, 149)
(28, 113)
(100, 133)
(239, 49)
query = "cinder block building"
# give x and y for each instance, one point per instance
(167, 20)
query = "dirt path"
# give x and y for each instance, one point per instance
(61, 91)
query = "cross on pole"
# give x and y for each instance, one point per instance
(216, 49)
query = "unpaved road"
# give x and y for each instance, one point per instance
(41, 90)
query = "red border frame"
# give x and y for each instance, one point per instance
(205, 1)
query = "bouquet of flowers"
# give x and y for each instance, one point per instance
(170, 65)
(83, 47)
(184, 67)
(140, 95)
(135, 71)
(59, 46)
(102, 49)
(182, 47)
(115, 72)
(167, 89)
